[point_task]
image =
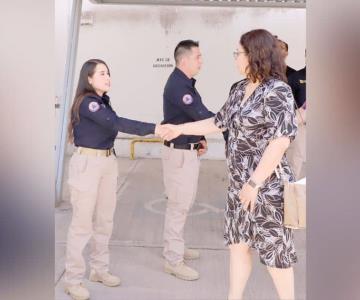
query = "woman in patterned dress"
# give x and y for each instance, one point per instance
(259, 115)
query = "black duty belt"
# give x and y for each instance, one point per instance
(195, 146)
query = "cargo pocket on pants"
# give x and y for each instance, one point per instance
(173, 158)
(78, 178)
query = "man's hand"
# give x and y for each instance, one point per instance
(203, 149)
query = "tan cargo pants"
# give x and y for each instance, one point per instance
(93, 183)
(180, 174)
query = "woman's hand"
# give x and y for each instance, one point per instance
(160, 130)
(172, 131)
(248, 197)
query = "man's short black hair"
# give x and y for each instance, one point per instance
(183, 47)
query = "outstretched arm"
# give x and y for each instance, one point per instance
(107, 118)
(202, 127)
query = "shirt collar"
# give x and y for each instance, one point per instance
(103, 99)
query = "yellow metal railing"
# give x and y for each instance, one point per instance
(141, 140)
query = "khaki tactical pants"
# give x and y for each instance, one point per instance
(180, 173)
(93, 183)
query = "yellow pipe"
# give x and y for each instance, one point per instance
(141, 140)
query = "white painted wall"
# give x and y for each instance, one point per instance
(131, 38)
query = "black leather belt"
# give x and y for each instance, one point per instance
(195, 146)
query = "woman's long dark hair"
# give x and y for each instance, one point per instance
(265, 59)
(83, 88)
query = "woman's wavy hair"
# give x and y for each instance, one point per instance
(83, 89)
(265, 59)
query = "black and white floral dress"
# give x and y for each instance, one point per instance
(267, 114)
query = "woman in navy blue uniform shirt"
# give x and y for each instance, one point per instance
(93, 173)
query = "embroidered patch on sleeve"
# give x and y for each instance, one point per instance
(187, 99)
(94, 106)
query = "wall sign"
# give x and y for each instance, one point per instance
(162, 62)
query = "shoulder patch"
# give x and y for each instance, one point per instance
(94, 106)
(187, 99)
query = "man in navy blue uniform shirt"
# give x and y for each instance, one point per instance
(180, 156)
(297, 82)
(296, 153)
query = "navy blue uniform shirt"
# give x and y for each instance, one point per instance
(182, 104)
(99, 124)
(289, 71)
(297, 82)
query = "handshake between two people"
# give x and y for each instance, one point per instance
(169, 132)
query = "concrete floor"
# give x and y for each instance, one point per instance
(137, 238)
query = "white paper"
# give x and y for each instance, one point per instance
(301, 181)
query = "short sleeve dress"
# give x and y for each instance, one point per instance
(267, 114)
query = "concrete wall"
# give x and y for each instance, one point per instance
(138, 42)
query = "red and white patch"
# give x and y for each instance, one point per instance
(187, 99)
(94, 106)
